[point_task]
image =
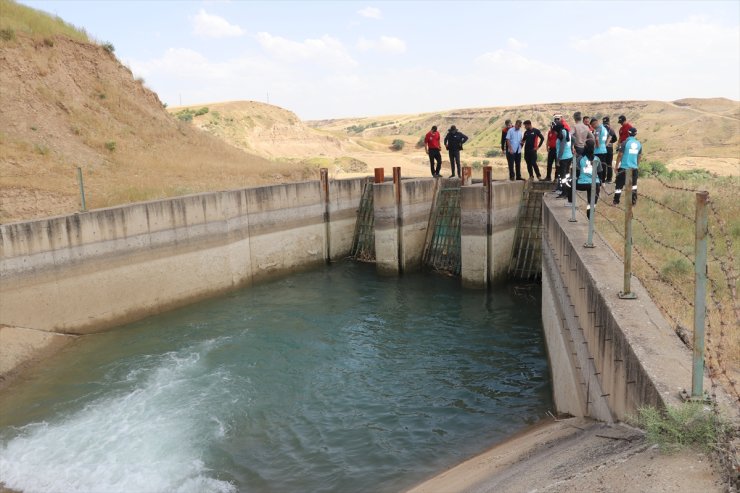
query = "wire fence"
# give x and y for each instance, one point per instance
(666, 229)
(652, 247)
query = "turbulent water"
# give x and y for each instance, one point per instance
(332, 380)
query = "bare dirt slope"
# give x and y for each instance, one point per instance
(67, 103)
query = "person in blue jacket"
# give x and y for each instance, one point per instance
(587, 165)
(629, 156)
(601, 136)
(563, 152)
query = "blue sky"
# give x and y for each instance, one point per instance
(343, 58)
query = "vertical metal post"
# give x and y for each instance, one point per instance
(627, 293)
(399, 216)
(487, 174)
(700, 294)
(324, 172)
(379, 175)
(467, 176)
(591, 205)
(82, 189)
(573, 193)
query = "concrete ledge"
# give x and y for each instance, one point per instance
(85, 272)
(633, 354)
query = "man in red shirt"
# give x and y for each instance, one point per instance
(552, 138)
(431, 145)
(624, 130)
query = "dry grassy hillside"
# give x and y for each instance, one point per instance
(689, 133)
(66, 103)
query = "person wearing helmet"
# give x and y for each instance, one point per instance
(629, 156)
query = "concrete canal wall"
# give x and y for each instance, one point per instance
(608, 356)
(85, 272)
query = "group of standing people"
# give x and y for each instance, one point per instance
(587, 147)
(453, 142)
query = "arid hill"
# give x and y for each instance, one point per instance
(66, 103)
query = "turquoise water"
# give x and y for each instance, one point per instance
(332, 380)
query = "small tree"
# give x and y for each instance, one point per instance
(398, 144)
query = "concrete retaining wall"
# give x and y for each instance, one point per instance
(401, 222)
(488, 231)
(86, 272)
(608, 356)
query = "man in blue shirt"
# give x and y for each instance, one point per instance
(514, 151)
(629, 156)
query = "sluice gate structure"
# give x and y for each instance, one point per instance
(526, 253)
(86, 272)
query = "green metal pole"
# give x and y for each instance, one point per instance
(573, 193)
(592, 205)
(82, 188)
(700, 294)
(627, 293)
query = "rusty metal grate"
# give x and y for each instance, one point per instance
(363, 242)
(443, 253)
(526, 253)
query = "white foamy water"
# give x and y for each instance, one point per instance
(151, 438)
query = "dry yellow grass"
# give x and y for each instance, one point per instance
(664, 242)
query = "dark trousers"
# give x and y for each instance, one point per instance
(455, 161)
(602, 170)
(608, 160)
(619, 185)
(551, 158)
(515, 165)
(584, 187)
(530, 157)
(435, 155)
(563, 169)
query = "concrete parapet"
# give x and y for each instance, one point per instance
(474, 217)
(89, 271)
(608, 356)
(506, 197)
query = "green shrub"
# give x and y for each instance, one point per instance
(111, 145)
(41, 149)
(48, 42)
(7, 34)
(107, 46)
(420, 142)
(676, 269)
(493, 153)
(690, 424)
(486, 162)
(201, 111)
(653, 168)
(398, 144)
(185, 115)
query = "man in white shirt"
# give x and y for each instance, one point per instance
(514, 151)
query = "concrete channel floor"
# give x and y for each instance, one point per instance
(577, 455)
